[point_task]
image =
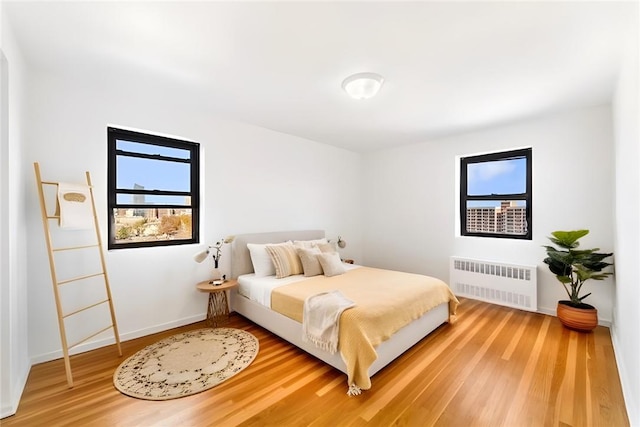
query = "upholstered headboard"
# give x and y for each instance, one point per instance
(240, 257)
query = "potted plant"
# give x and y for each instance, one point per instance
(573, 267)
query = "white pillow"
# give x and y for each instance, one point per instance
(331, 263)
(261, 260)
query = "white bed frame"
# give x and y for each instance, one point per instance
(291, 330)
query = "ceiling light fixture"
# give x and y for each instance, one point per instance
(362, 85)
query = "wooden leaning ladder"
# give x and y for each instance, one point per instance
(56, 283)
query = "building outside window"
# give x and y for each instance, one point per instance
(496, 195)
(153, 190)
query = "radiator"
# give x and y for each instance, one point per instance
(495, 282)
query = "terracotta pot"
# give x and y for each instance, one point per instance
(580, 319)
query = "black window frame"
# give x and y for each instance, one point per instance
(527, 196)
(115, 134)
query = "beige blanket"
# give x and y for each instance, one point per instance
(320, 319)
(385, 302)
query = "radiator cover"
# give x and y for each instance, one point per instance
(500, 283)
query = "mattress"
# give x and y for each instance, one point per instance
(259, 289)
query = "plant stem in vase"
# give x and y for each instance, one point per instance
(217, 274)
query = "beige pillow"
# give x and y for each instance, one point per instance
(310, 263)
(285, 260)
(326, 247)
(331, 264)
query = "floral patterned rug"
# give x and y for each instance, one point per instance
(186, 363)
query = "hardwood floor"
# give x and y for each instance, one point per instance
(494, 367)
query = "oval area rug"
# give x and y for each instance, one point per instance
(186, 363)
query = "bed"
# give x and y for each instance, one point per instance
(254, 305)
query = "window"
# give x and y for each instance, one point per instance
(495, 195)
(153, 190)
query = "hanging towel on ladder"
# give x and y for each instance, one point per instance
(75, 208)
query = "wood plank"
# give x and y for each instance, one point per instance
(495, 366)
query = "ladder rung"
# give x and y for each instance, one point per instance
(90, 336)
(54, 217)
(85, 308)
(71, 248)
(79, 278)
(57, 183)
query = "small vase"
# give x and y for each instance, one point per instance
(217, 273)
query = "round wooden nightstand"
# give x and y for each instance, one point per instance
(218, 306)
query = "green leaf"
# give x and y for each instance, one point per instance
(564, 279)
(558, 267)
(583, 274)
(568, 239)
(597, 266)
(583, 252)
(561, 257)
(600, 276)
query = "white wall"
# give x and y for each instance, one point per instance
(253, 180)
(14, 357)
(626, 316)
(258, 180)
(410, 198)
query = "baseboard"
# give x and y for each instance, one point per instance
(92, 345)
(10, 408)
(633, 411)
(552, 312)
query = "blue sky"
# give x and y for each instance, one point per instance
(152, 174)
(499, 177)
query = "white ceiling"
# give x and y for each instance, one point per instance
(449, 67)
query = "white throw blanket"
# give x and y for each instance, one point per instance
(320, 316)
(76, 210)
